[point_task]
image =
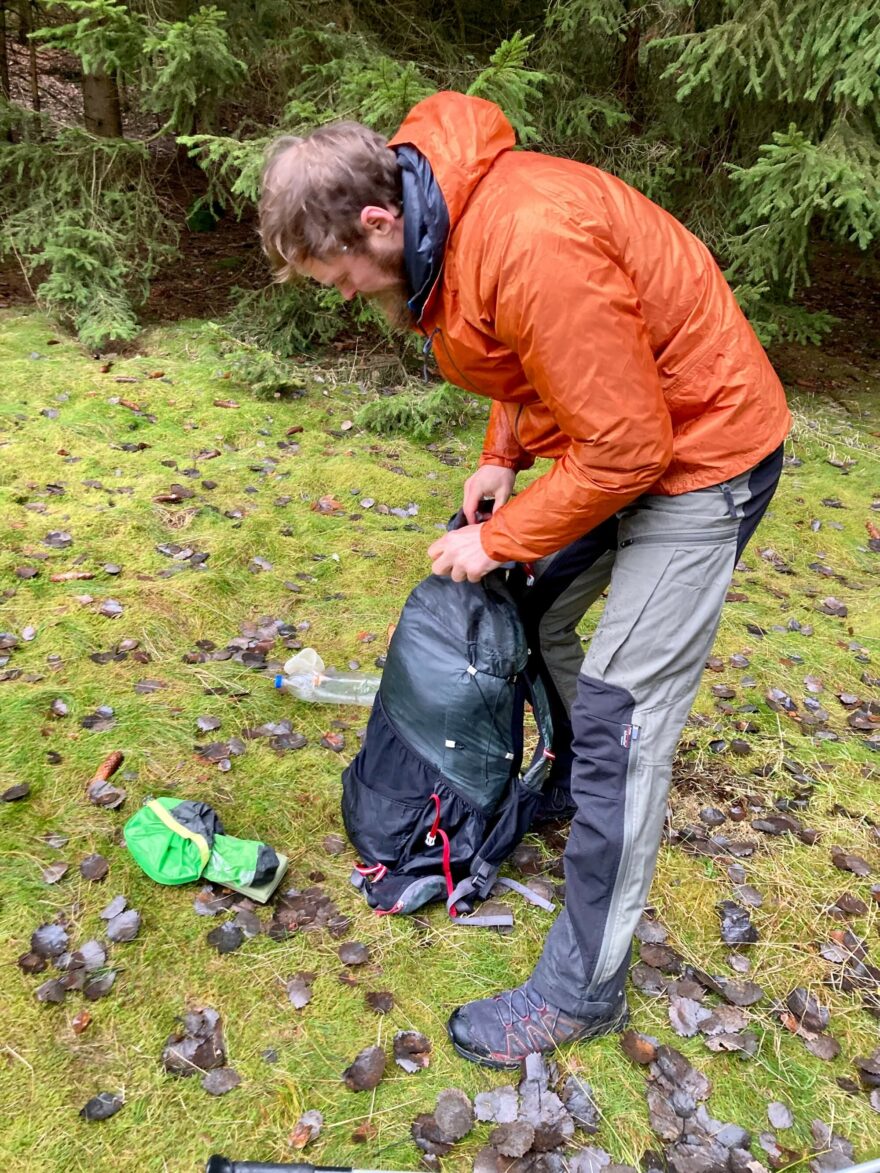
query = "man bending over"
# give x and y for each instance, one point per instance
(610, 343)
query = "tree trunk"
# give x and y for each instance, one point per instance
(24, 21)
(101, 109)
(4, 55)
(32, 59)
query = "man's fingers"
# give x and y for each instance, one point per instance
(440, 560)
(469, 503)
(441, 563)
(460, 555)
(490, 482)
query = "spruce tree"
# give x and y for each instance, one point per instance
(757, 122)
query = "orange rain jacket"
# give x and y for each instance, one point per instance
(602, 329)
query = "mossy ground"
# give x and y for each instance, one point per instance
(358, 570)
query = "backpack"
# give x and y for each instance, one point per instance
(435, 799)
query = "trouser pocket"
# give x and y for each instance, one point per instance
(678, 539)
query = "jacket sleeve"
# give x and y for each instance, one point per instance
(500, 445)
(572, 317)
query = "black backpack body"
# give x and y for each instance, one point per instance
(435, 799)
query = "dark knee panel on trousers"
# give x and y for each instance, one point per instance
(604, 739)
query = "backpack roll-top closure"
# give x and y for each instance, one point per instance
(478, 621)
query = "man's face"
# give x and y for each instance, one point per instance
(373, 271)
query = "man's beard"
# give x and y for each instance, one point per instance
(393, 302)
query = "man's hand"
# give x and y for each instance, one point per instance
(460, 554)
(488, 481)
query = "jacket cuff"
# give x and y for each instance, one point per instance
(499, 462)
(500, 444)
(497, 548)
(519, 463)
(486, 543)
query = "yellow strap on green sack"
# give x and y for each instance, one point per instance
(178, 828)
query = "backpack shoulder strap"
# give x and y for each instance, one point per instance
(534, 777)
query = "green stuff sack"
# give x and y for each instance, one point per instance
(175, 842)
(171, 840)
(240, 863)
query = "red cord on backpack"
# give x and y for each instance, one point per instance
(430, 840)
(431, 837)
(447, 868)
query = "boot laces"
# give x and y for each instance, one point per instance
(518, 1006)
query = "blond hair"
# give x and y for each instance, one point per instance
(314, 188)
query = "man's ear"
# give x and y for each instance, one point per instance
(377, 219)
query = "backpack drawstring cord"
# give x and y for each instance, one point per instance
(447, 869)
(431, 837)
(375, 873)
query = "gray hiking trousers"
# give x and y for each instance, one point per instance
(667, 562)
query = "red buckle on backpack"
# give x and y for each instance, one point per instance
(374, 874)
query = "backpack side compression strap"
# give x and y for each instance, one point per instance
(469, 886)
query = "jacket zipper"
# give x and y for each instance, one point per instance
(465, 380)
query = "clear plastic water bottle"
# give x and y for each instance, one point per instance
(305, 676)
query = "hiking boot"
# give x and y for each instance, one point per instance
(556, 806)
(501, 1031)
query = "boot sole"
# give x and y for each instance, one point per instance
(500, 1065)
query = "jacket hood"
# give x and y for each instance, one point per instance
(461, 137)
